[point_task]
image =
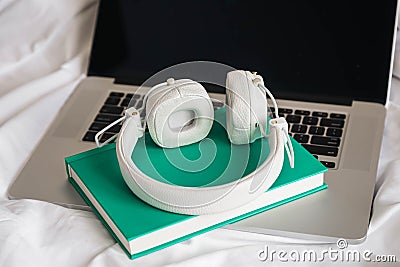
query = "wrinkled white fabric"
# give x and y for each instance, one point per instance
(44, 47)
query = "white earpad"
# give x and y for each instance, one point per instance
(179, 113)
(246, 108)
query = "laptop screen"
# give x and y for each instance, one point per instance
(325, 51)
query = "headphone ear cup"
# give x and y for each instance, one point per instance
(238, 107)
(246, 108)
(179, 114)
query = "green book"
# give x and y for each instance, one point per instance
(140, 228)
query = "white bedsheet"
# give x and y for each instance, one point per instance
(43, 54)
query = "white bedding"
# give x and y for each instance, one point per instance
(43, 54)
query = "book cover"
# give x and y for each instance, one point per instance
(140, 228)
(134, 218)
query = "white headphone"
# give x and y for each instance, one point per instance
(180, 113)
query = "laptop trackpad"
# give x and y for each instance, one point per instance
(360, 144)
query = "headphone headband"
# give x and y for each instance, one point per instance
(199, 200)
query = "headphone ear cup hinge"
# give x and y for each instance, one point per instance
(134, 115)
(279, 123)
(283, 128)
(256, 79)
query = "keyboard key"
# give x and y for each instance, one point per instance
(137, 96)
(293, 118)
(316, 130)
(139, 104)
(338, 116)
(326, 141)
(302, 112)
(310, 120)
(334, 132)
(107, 118)
(320, 114)
(322, 150)
(296, 128)
(117, 94)
(129, 95)
(332, 123)
(217, 105)
(111, 109)
(106, 136)
(126, 102)
(97, 126)
(115, 128)
(328, 164)
(272, 109)
(301, 138)
(143, 114)
(112, 101)
(285, 110)
(133, 102)
(89, 136)
(281, 115)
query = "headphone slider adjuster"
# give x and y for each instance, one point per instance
(133, 114)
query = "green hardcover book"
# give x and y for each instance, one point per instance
(140, 228)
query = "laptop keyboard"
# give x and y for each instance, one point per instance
(113, 109)
(318, 131)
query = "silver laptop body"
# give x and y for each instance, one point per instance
(341, 211)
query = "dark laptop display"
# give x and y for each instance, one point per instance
(322, 51)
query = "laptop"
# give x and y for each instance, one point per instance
(329, 65)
